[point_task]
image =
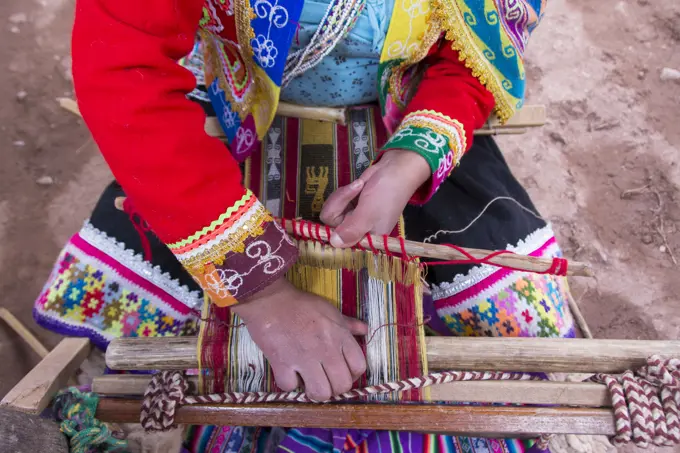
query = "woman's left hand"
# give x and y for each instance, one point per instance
(374, 202)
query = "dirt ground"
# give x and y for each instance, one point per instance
(604, 170)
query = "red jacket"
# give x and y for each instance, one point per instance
(132, 94)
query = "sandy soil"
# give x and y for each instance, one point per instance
(604, 170)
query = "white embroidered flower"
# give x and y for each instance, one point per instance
(265, 51)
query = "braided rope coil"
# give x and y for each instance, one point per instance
(164, 395)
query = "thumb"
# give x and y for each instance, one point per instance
(356, 327)
(337, 204)
(354, 226)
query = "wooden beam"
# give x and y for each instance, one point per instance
(35, 391)
(528, 116)
(549, 355)
(514, 392)
(23, 332)
(468, 420)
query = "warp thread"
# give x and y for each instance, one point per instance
(645, 402)
(76, 410)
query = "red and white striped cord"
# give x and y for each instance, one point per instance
(645, 403)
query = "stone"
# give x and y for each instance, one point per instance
(45, 181)
(669, 74)
(18, 18)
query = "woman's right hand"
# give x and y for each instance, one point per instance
(302, 334)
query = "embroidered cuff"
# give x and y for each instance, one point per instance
(238, 254)
(436, 137)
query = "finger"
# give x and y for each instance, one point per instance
(354, 357)
(354, 226)
(356, 326)
(338, 202)
(317, 386)
(285, 377)
(338, 374)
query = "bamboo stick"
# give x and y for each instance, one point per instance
(549, 355)
(460, 420)
(513, 392)
(441, 252)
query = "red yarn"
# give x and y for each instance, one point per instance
(559, 266)
(140, 226)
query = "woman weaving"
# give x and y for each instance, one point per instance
(419, 77)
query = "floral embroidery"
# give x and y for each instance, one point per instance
(105, 295)
(496, 302)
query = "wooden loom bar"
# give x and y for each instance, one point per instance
(514, 392)
(549, 355)
(468, 420)
(434, 251)
(441, 252)
(528, 116)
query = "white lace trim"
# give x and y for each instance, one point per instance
(462, 282)
(138, 265)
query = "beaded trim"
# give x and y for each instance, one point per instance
(338, 20)
(137, 264)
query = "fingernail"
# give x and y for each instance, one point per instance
(336, 240)
(357, 184)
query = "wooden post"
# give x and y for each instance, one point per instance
(35, 391)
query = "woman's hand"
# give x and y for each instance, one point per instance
(302, 334)
(383, 191)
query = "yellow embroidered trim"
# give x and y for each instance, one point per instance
(234, 242)
(431, 36)
(215, 223)
(441, 124)
(240, 106)
(458, 34)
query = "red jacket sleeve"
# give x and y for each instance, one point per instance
(132, 94)
(439, 121)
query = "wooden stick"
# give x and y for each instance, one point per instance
(515, 392)
(529, 116)
(434, 251)
(500, 131)
(34, 392)
(468, 420)
(441, 252)
(23, 332)
(213, 128)
(580, 319)
(549, 355)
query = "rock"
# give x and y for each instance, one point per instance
(18, 18)
(45, 181)
(66, 65)
(19, 143)
(14, 29)
(21, 95)
(647, 239)
(670, 74)
(662, 249)
(557, 138)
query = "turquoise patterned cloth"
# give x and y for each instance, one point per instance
(349, 74)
